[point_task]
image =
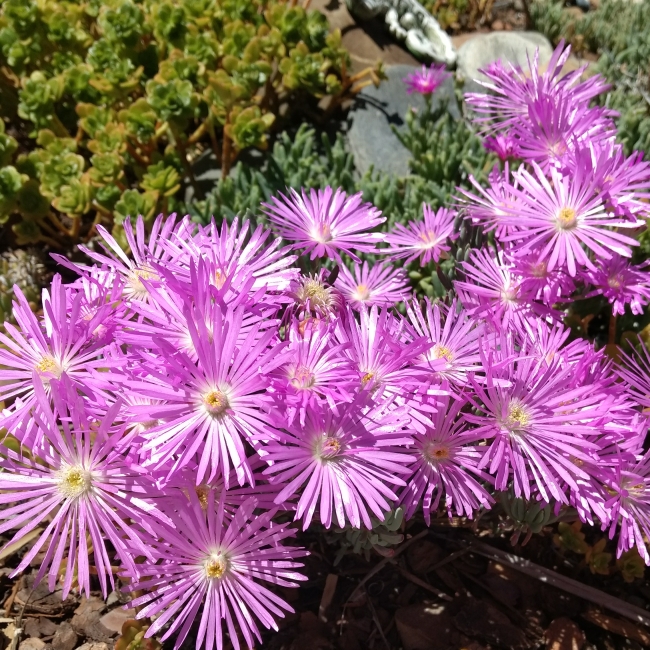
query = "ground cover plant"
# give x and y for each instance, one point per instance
(182, 415)
(122, 96)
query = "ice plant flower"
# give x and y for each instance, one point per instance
(427, 239)
(207, 567)
(77, 485)
(453, 338)
(381, 285)
(211, 405)
(635, 371)
(342, 463)
(538, 422)
(426, 80)
(61, 342)
(446, 463)
(621, 283)
(504, 146)
(326, 223)
(563, 215)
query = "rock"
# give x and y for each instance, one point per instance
(371, 139)
(65, 637)
(114, 620)
(509, 47)
(497, 25)
(33, 643)
(564, 634)
(424, 627)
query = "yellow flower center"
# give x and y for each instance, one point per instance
(428, 238)
(215, 566)
(215, 402)
(135, 278)
(441, 352)
(322, 234)
(202, 492)
(219, 279)
(316, 293)
(368, 377)
(567, 219)
(74, 481)
(614, 282)
(518, 416)
(48, 366)
(328, 447)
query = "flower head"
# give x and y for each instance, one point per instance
(426, 80)
(426, 239)
(380, 284)
(202, 558)
(326, 223)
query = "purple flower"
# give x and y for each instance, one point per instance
(635, 371)
(621, 283)
(426, 80)
(313, 295)
(204, 559)
(380, 284)
(212, 405)
(446, 465)
(77, 485)
(63, 342)
(539, 422)
(629, 506)
(425, 239)
(494, 292)
(325, 223)
(453, 338)
(342, 460)
(380, 356)
(504, 146)
(561, 217)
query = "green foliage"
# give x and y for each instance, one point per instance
(380, 538)
(120, 96)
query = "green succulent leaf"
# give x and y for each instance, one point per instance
(75, 198)
(10, 183)
(31, 203)
(161, 179)
(133, 204)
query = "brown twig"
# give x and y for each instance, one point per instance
(425, 585)
(559, 581)
(612, 327)
(375, 618)
(9, 603)
(19, 621)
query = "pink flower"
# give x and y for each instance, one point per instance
(621, 283)
(325, 223)
(78, 486)
(447, 462)
(381, 285)
(561, 217)
(207, 568)
(342, 460)
(426, 80)
(427, 239)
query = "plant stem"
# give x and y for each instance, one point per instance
(612, 327)
(225, 158)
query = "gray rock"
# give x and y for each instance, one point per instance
(509, 47)
(371, 139)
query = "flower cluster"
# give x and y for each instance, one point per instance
(186, 398)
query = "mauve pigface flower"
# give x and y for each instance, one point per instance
(427, 239)
(426, 80)
(341, 464)
(77, 485)
(211, 405)
(325, 223)
(621, 283)
(446, 465)
(208, 567)
(561, 217)
(381, 284)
